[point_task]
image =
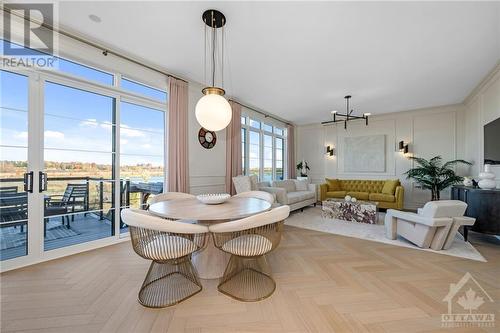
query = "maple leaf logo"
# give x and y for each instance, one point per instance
(470, 301)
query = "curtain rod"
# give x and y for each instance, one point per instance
(260, 112)
(105, 50)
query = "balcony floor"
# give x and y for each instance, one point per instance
(83, 229)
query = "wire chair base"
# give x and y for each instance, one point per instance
(247, 279)
(168, 283)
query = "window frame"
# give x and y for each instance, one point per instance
(262, 132)
(36, 81)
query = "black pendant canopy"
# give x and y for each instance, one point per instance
(213, 18)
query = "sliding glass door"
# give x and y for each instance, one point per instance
(14, 165)
(79, 169)
(72, 153)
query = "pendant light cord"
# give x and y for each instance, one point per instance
(213, 56)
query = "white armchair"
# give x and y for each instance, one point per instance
(434, 226)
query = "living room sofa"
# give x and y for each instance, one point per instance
(295, 193)
(388, 193)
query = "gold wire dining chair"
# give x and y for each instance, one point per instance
(172, 277)
(247, 276)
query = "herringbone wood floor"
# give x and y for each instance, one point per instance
(326, 283)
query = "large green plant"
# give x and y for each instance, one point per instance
(434, 175)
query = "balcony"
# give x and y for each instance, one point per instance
(71, 217)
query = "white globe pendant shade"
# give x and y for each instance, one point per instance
(213, 111)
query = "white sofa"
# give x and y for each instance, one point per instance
(295, 193)
(435, 225)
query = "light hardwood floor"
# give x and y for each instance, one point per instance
(326, 283)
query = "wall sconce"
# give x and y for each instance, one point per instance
(330, 150)
(403, 147)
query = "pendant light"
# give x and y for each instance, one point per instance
(213, 111)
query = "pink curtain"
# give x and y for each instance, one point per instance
(233, 147)
(291, 151)
(178, 162)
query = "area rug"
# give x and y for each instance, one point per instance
(311, 219)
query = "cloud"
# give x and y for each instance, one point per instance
(131, 133)
(89, 123)
(54, 135)
(21, 135)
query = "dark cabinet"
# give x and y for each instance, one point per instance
(484, 205)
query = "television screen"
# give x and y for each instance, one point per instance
(492, 142)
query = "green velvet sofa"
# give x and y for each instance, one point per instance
(388, 193)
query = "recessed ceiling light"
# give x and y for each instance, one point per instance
(95, 18)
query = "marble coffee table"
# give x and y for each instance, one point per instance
(359, 211)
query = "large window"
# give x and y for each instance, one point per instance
(142, 137)
(263, 149)
(100, 145)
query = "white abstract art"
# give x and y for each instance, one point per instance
(364, 153)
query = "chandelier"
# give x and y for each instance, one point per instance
(213, 111)
(347, 116)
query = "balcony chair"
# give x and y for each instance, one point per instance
(247, 275)
(6, 190)
(435, 225)
(14, 209)
(171, 277)
(258, 195)
(74, 199)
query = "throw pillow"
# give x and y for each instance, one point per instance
(390, 186)
(333, 185)
(301, 185)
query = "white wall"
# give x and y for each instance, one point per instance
(429, 132)
(482, 107)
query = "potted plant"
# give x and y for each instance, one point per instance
(434, 175)
(303, 167)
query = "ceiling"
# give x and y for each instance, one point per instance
(297, 60)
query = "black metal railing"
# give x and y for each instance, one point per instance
(127, 187)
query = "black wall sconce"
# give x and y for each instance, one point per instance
(403, 147)
(330, 150)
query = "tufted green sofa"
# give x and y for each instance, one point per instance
(388, 193)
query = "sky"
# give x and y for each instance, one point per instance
(78, 120)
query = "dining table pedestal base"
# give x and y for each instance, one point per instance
(210, 263)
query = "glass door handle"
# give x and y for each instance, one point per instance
(42, 181)
(28, 182)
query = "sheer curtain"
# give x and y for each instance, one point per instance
(233, 147)
(178, 160)
(290, 158)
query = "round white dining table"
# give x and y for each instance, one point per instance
(209, 262)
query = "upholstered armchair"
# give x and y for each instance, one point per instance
(434, 226)
(247, 276)
(257, 195)
(168, 244)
